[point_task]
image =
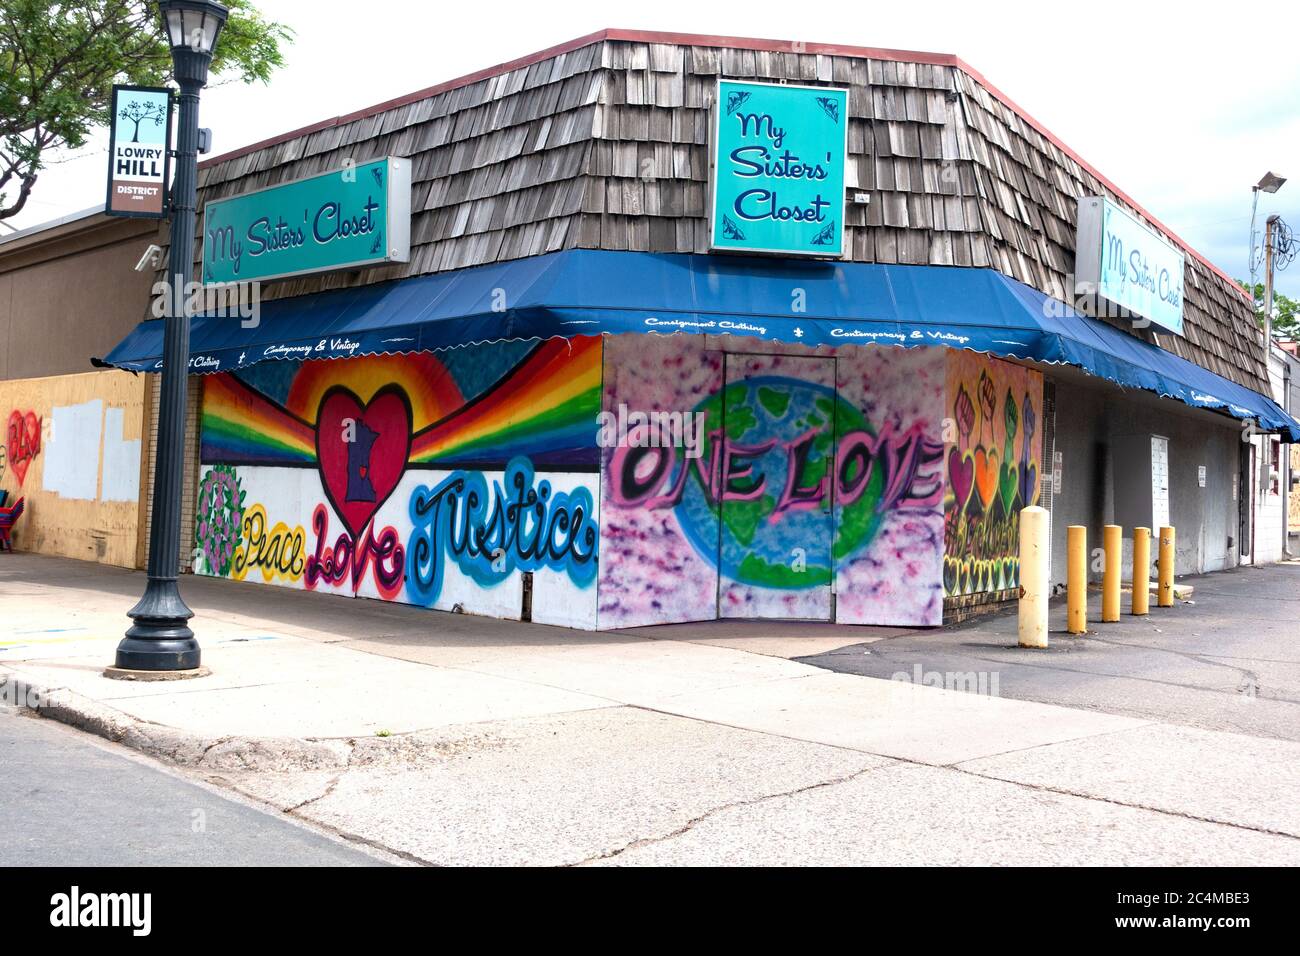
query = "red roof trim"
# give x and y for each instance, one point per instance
(739, 43)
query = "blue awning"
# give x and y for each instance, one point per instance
(589, 292)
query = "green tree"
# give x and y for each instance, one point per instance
(59, 60)
(1286, 311)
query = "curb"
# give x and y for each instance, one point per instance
(185, 749)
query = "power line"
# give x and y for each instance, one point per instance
(1285, 246)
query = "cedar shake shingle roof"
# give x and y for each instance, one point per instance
(602, 142)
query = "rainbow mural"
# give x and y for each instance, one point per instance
(548, 413)
(478, 406)
(438, 479)
(242, 425)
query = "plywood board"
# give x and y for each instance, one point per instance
(72, 451)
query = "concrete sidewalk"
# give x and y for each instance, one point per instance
(297, 679)
(454, 739)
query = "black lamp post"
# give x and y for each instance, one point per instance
(160, 639)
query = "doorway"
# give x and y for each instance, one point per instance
(776, 521)
(1246, 503)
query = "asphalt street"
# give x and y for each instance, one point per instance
(1228, 660)
(70, 799)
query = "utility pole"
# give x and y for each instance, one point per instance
(1270, 228)
(1269, 183)
(1284, 469)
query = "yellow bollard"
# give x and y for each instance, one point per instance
(1034, 555)
(1141, 570)
(1077, 579)
(1111, 541)
(1165, 594)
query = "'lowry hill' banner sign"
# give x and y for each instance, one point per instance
(778, 169)
(354, 217)
(139, 159)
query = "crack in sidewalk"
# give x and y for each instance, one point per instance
(329, 789)
(695, 821)
(894, 763)
(221, 782)
(1165, 811)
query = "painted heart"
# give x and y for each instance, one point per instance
(1008, 486)
(361, 451)
(1010, 573)
(961, 476)
(986, 475)
(24, 441)
(951, 576)
(1029, 483)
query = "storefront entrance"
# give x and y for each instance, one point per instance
(1246, 497)
(777, 510)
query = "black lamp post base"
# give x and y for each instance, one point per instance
(158, 646)
(160, 639)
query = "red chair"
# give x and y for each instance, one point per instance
(8, 517)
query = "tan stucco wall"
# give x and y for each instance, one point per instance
(70, 292)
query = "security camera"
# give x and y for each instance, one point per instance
(151, 258)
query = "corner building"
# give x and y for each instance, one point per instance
(652, 328)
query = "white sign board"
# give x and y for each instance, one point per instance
(1121, 260)
(1200, 475)
(1159, 483)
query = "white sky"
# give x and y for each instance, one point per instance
(1183, 106)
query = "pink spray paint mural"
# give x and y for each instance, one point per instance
(814, 476)
(650, 571)
(896, 576)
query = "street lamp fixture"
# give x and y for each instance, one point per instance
(159, 638)
(193, 24)
(1271, 183)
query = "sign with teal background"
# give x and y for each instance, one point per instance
(353, 217)
(1125, 262)
(778, 156)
